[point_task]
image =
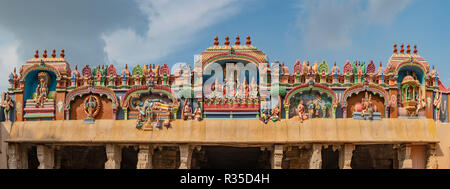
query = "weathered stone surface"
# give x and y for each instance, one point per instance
(46, 157)
(145, 157)
(114, 155)
(277, 156)
(316, 158)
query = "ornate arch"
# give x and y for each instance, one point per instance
(226, 56)
(411, 62)
(80, 91)
(144, 89)
(355, 89)
(41, 67)
(307, 87)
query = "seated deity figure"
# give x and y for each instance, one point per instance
(7, 105)
(41, 90)
(198, 113)
(265, 116)
(275, 114)
(301, 111)
(187, 110)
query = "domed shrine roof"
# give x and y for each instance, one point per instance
(409, 79)
(400, 58)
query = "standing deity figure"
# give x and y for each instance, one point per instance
(7, 105)
(310, 108)
(301, 111)
(437, 104)
(253, 89)
(230, 87)
(42, 89)
(239, 89)
(198, 113)
(421, 101)
(317, 106)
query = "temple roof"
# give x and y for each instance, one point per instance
(402, 57)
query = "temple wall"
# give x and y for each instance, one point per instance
(443, 148)
(4, 135)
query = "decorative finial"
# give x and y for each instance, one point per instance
(415, 49)
(45, 54)
(36, 55)
(248, 42)
(395, 48)
(216, 41)
(402, 50)
(227, 41)
(62, 54)
(237, 43)
(408, 49)
(334, 63)
(54, 53)
(381, 64)
(76, 67)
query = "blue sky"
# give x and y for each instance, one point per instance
(156, 31)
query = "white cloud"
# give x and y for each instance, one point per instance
(329, 24)
(172, 24)
(9, 57)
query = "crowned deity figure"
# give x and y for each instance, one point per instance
(437, 104)
(91, 106)
(41, 89)
(239, 89)
(7, 105)
(275, 114)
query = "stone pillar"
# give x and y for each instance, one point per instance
(404, 157)
(316, 157)
(345, 156)
(185, 156)
(114, 155)
(277, 157)
(145, 157)
(431, 162)
(45, 156)
(14, 156)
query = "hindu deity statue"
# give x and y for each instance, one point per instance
(275, 114)
(239, 90)
(91, 106)
(187, 110)
(230, 87)
(253, 89)
(301, 111)
(42, 89)
(198, 113)
(246, 89)
(366, 106)
(317, 105)
(437, 104)
(7, 105)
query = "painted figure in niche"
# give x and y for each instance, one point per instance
(275, 114)
(91, 106)
(187, 110)
(42, 89)
(198, 113)
(7, 105)
(421, 102)
(366, 106)
(310, 108)
(437, 104)
(253, 89)
(317, 105)
(302, 112)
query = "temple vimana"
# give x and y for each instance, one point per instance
(233, 108)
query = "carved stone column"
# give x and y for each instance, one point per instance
(145, 157)
(15, 157)
(185, 156)
(45, 156)
(404, 157)
(114, 155)
(431, 157)
(345, 156)
(277, 157)
(316, 158)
